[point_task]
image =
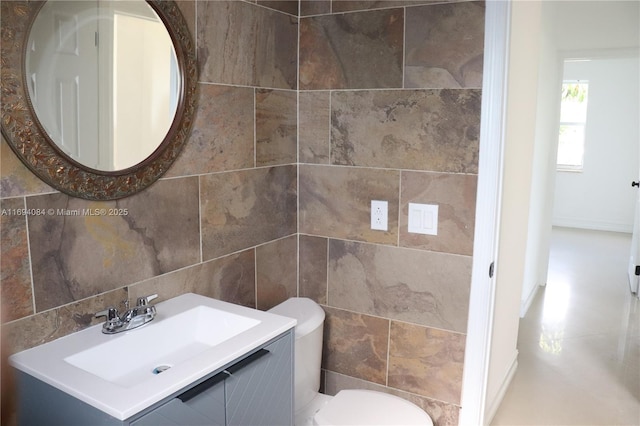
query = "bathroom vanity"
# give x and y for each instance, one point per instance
(201, 361)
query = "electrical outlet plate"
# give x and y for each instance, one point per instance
(379, 215)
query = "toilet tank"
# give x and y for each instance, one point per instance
(308, 345)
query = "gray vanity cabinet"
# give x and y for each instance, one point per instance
(253, 390)
(256, 390)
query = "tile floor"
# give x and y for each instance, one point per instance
(579, 344)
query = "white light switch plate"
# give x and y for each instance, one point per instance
(423, 218)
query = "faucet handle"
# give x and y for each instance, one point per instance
(144, 301)
(111, 313)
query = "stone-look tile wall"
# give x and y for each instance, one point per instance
(222, 222)
(389, 109)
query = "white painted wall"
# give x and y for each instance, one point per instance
(543, 170)
(518, 154)
(601, 196)
(592, 25)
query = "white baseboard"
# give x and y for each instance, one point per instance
(495, 404)
(526, 304)
(592, 225)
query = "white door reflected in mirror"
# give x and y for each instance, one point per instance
(103, 80)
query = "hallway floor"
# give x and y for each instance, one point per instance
(579, 344)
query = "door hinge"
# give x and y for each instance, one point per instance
(637, 269)
(492, 268)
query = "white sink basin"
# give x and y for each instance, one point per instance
(124, 373)
(155, 349)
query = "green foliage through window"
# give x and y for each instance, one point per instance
(575, 91)
(573, 119)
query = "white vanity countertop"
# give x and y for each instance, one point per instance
(50, 362)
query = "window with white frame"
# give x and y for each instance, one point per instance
(573, 119)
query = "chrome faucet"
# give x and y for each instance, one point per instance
(141, 314)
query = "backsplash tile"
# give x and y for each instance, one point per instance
(455, 196)
(276, 127)
(422, 287)
(15, 270)
(313, 268)
(356, 345)
(444, 45)
(314, 7)
(314, 127)
(222, 134)
(239, 43)
(230, 278)
(426, 361)
(335, 50)
(277, 272)
(355, 5)
(16, 179)
(435, 130)
(287, 6)
(52, 324)
(234, 203)
(76, 255)
(335, 202)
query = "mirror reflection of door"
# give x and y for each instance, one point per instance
(103, 80)
(64, 76)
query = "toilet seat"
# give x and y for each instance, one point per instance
(370, 408)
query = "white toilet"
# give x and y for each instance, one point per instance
(348, 407)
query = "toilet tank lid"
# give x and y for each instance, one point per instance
(307, 312)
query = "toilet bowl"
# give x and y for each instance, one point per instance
(349, 407)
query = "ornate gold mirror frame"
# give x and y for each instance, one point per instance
(25, 135)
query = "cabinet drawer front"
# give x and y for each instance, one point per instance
(176, 413)
(261, 392)
(201, 405)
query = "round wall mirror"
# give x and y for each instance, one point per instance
(98, 96)
(103, 80)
